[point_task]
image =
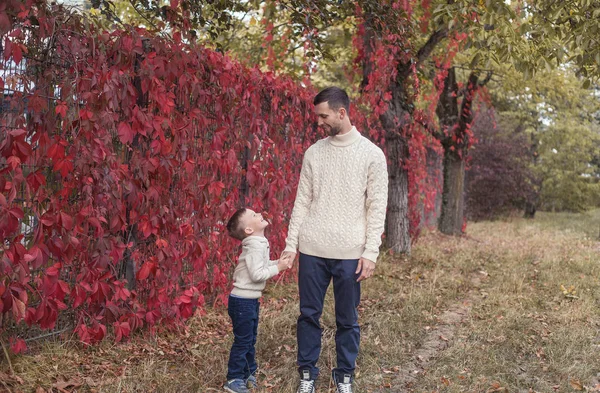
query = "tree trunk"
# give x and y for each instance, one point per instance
(244, 188)
(130, 234)
(453, 197)
(530, 209)
(394, 121)
(454, 139)
(533, 197)
(435, 172)
(397, 224)
(397, 228)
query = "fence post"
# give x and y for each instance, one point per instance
(130, 234)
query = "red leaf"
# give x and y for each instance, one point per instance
(215, 188)
(5, 24)
(13, 162)
(34, 255)
(125, 133)
(18, 132)
(64, 166)
(122, 329)
(56, 151)
(47, 220)
(17, 345)
(61, 109)
(16, 213)
(17, 53)
(144, 272)
(85, 114)
(79, 295)
(66, 221)
(18, 308)
(54, 270)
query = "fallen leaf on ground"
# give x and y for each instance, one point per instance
(576, 384)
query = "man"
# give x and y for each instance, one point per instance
(336, 224)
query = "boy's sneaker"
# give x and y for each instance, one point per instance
(344, 385)
(307, 385)
(251, 382)
(236, 386)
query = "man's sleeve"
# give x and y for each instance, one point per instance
(304, 196)
(377, 198)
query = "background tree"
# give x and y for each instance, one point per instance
(559, 117)
(396, 39)
(500, 178)
(455, 118)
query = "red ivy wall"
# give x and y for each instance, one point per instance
(121, 157)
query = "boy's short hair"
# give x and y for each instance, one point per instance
(234, 225)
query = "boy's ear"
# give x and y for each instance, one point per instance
(249, 231)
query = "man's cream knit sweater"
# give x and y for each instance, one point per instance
(341, 200)
(253, 268)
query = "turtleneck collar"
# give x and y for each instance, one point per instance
(345, 140)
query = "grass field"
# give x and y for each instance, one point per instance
(513, 306)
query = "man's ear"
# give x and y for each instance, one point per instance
(342, 113)
(249, 231)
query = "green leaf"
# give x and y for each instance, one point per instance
(586, 84)
(475, 60)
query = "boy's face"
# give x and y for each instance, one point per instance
(253, 222)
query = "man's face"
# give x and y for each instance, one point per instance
(253, 221)
(328, 119)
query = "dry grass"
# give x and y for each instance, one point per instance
(523, 334)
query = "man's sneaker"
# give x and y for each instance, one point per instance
(344, 385)
(251, 382)
(307, 385)
(236, 386)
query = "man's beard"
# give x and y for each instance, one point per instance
(333, 131)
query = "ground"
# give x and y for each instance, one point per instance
(513, 306)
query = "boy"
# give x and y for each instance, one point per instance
(253, 269)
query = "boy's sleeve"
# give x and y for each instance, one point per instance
(304, 196)
(257, 268)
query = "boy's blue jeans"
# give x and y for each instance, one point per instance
(244, 317)
(314, 275)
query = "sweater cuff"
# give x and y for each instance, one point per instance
(370, 255)
(273, 270)
(290, 249)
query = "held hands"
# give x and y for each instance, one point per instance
(286, 260)
(365, 268)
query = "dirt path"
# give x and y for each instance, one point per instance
(436, 341)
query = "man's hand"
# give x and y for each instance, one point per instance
(365, 268)
(289, 257)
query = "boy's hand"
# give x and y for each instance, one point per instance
(282, 265)
(289, 257)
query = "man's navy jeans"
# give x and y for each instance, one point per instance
(314, 275)
(244, 317)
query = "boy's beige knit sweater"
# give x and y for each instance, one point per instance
(253, 269)
(341, 200)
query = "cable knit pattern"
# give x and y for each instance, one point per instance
(340, 206)
(253, 269)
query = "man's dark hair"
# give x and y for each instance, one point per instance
(234, 225)
(336, 98)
